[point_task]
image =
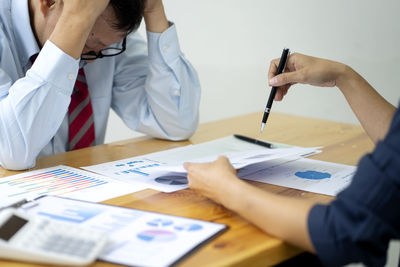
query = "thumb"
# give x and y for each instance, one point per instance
(187, 165)
(286, 78)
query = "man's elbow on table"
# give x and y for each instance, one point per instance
(181, 130)
(16, 162)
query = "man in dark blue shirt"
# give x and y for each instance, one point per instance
(359, 224)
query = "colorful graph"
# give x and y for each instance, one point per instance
(135, 167)
(313, 175)
(73, 214)
(156, 236)
(52, 181)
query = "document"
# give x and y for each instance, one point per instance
(164, 170)
(62, 181)
(138, 238)
(300, 173)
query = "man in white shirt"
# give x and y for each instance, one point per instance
(152, 87)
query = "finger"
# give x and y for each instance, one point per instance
(281, 91)
(222, 158)
(190, 166)
(286, 78)
(278, 95)
(273, 68)
(187, 165)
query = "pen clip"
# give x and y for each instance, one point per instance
(287, 59)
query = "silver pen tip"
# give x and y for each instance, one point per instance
(262, 127)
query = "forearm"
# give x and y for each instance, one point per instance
(169, 88)
(156, 20)
(25, 125)
(372, 110)
(71, 33)
(27, 128)
(279, 216)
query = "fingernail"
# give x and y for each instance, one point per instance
(273, 80)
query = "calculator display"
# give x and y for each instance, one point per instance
(11, 226)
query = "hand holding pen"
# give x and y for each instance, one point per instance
(302, 69)
(280, 69)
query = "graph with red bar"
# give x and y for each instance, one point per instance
(62, 181)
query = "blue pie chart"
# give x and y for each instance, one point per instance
(190, 227)
(313, 175)
(160, 222)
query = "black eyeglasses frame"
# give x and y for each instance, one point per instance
(93, 55)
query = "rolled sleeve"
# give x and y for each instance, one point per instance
(359, 224)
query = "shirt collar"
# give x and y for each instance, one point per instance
(26, 42)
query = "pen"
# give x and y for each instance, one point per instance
(253, 141)
(15, 204)
(281, 67)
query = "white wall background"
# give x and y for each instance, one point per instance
(231, 42)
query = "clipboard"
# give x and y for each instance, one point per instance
(138, 237)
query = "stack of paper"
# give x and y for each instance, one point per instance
(164, 170)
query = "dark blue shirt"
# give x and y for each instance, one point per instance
(359, 224)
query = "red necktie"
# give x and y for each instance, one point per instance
(81, 124)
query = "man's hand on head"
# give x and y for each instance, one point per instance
(75, 22)
(89, 9)
(154, 16)
(152, 6)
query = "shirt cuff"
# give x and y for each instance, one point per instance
(56, 67)
(164, 47)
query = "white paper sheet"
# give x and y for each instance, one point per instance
(164, 170)
(300, 173)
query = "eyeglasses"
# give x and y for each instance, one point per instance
(108, 52)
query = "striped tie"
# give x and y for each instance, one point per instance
(81, 124)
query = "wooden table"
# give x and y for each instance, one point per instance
(243, 244)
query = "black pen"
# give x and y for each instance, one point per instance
(15, 205)
(281, 67)
(253, 141)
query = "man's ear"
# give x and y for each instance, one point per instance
(46, 6)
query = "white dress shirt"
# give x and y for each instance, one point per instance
(152, 87)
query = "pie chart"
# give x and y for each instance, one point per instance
(172, 180)
(156, 236)
(160, 222)
(313, 175)
(189, 227)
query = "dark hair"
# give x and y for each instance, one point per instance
(129, 14)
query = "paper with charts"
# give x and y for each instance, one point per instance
(62, 181)
(164, 170)
(300, 173)
(138, 238)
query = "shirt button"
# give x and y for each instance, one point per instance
(165, 48)
(176, 92)
(71, 76)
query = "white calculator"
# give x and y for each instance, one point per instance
(38, 239)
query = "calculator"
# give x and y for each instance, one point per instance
(38, 239)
